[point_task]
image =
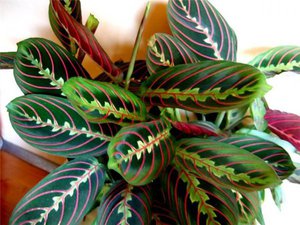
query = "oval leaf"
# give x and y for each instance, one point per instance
(41, 66)
(141, 151)
(200, 27)
(285, 125)
(277, 60)
(73, 8)
(249, 205)
(51, 124)
(102, 102)
(196, 201)
(270, 152)
(225, 165)
(125, 204)
(165, 51)
(7, 60)
(84, 38)
(64, 196)
(205, 87)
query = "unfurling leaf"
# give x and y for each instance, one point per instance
(125, 204)
(141, 151)
(73, 7)
(165, 51)
(196, 201)
(205, 87)
(277, 60)
(102, 102)
(62, 197)
(7, 60)
(84, 38)
(271, 153)
(200, 27)
(41, 66)
(225, 165)
(285, 125)
(51, 124)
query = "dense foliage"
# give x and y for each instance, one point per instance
(182, 137)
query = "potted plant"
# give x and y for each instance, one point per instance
(182, 137)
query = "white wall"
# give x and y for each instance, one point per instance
(259, 25)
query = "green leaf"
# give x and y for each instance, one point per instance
(162, 215)
(41, 66)
(51, 124)
(102, 102)
(258, 112)
(200, 26)
(64, 196)
(125, 204)
(225, 165)
(271, 153)
(84, 38)
(196, 201)
(141, 151)
(166, 51)
(7, 60)
(205, 87)
(73, 8)
(277, 60)
(249, 205)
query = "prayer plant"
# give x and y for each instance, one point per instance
(182, 137)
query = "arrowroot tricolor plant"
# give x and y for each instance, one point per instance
(182, 137)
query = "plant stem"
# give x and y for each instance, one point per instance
(220, 118)
(136, 45)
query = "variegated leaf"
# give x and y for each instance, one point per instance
(198, 128)
(7, 60)
(141, 151)
(163, 215)
(51, 124)
(125, 204)
(200, 26)
(73, 7)
(165, 51)
(277, 60)
(249, 205)
(285, 125)
(270, 152)
(64, 196)
(205, 87)
(102, 102)
(139, 74)
(258, 111)
(196, 201)
(41, 66)
(84, 38)
(225, 165)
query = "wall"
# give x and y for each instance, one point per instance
(259, 25)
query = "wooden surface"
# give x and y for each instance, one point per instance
(17, 177)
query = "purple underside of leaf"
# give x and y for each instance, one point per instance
(285, 125)
(85, 39)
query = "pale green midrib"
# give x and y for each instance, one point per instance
(208, 209)
(58, 83)
(155, 141)
(230, 176)
(280, 67)
(72, 131)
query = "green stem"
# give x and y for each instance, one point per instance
(220, 118)
(136, 45)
